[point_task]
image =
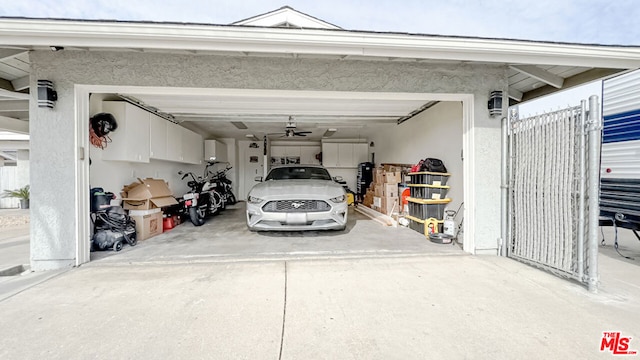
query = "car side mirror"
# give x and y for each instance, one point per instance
(338, 178)
(258, 178)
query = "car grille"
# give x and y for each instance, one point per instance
(296, 206)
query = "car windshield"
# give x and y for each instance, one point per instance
(299, 172)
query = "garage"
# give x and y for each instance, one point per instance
(358, 120)
(399, 97)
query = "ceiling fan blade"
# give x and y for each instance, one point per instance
(303, 132)
(299, 134)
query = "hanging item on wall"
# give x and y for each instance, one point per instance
(101, 125)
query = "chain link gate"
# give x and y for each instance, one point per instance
(553, 184)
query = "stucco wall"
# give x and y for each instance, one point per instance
(53, 132)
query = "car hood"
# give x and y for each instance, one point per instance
(296, 189)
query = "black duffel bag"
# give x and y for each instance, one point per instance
(433, 165)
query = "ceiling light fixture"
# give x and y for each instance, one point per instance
(329, 132)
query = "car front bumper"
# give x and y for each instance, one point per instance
(333, 219)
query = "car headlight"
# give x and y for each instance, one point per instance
(338, 199)
(254, 200)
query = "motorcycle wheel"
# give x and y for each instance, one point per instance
(231, 198)
(196, 216)
(217, 199)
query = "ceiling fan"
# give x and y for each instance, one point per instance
(290, 130)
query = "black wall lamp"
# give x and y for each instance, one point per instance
(495, 103)
(47, 96)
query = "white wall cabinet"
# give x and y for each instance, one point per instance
(157, 137)
(130, 141)
(192, 147)
(344, 155)
(174, 142)
(215, 148)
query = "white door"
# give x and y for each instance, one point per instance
(251, 165)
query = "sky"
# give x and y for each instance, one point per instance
(611, 22)
(560, 100)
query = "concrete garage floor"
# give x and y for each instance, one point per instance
(225, 236)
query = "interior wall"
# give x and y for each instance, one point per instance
(436, 133)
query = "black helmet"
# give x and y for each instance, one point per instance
(103, 123)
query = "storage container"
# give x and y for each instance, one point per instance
(419, 225)
(429, 178)
(423, 191)
(424, 209)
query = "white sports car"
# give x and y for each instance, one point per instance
(297, 197)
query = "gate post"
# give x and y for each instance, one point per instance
(504, 188)
(594, 124)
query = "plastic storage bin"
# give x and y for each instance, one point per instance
(424, 208)
(419, 225)
(429, 178)
(424, 191)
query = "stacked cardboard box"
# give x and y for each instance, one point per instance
(144, 200)
(382, 194)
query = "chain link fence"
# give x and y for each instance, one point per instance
(549, 199)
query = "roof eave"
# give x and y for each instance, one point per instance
(196, 37)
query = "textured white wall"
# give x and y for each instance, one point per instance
(439, 136)
(53, 131)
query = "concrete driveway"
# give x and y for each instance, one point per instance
(403, 306)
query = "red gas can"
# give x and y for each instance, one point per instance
(167, 223)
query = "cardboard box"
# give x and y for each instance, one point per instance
(378, 176)
(377, 202)
(379, 190)
(144, 212)
(392, 177)
(147, 194)
(390, 190)
(389, 205)
(148, 225)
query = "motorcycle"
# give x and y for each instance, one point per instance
(202, 200)
(223, 185)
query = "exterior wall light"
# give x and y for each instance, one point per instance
(47, 96)
(495, 103)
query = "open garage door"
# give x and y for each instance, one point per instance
(553, 198)
(246, 129)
